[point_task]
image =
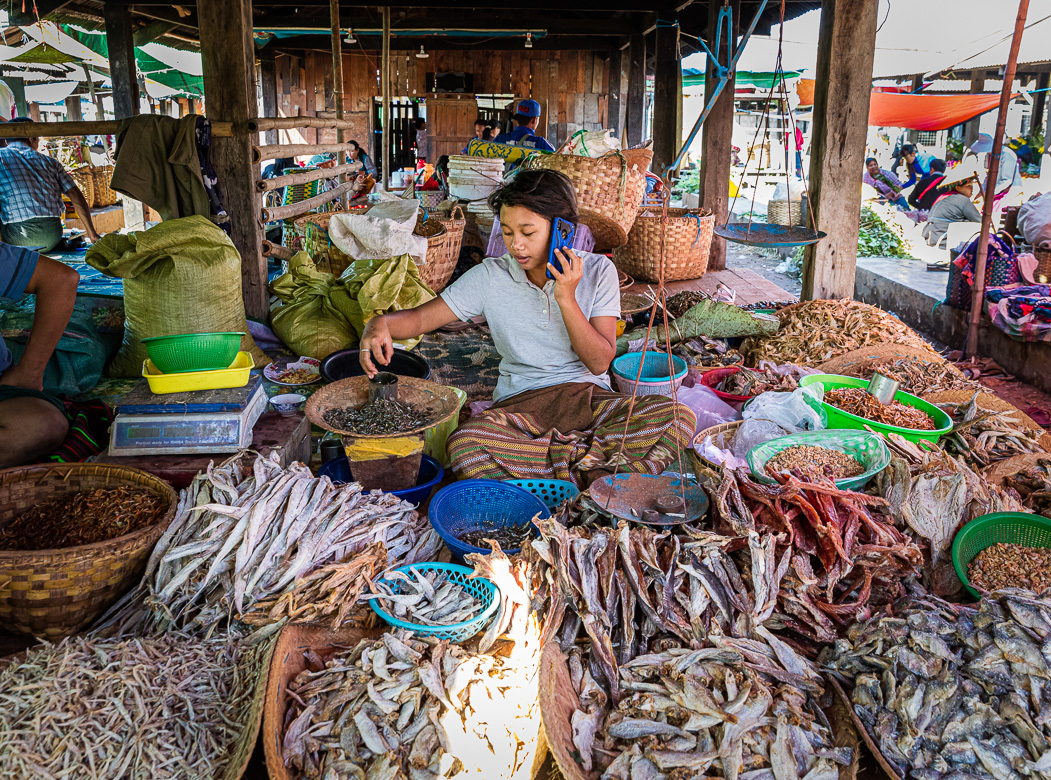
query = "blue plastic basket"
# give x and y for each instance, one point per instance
(551, 491)
(654, 378)
(474, 504)
(480, 588)
(431, 473)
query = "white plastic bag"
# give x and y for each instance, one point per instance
(797, 411)
(709, 408)
(753, 432)
(586, 143)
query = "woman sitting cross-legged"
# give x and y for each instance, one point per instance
(554, 415)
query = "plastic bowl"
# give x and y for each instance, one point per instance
(654, 378)
(867, 448)
(711, 380)
(837, 418)
(344, 365)
(473, 504)
(430, 476)
(996, 528)
(193, 351)
(288, 404)
(482, 590)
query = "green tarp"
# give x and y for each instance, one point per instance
(744, 78)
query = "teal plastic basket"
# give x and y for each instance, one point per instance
(996, 528)
(481, 589)
(193, 351)
(867, 448)
(551, 491)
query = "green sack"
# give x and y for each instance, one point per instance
(181, 276)
(77, 363)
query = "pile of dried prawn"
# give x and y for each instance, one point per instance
(172, 706)
(815, 331)
(246, 535)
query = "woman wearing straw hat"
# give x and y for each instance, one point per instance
(954, 204)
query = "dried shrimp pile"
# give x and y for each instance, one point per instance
(815, 331)
(1010, 566)
(858, 402)
(814, 462)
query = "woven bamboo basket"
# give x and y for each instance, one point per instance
(1042, 275)
(242, 750)
(1001, 470)
(704, 469)
(783, 212)
(437, 402)
(990, 403)
(687, 241)
(85, 181)
(441, 257)
(558, 701)
(55, 593)
(859, 359)
(105, 195)
(454, 224)
(609, 190)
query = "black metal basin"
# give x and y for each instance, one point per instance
(345, 364)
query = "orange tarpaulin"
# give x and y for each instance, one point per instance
(927, 112)
(805, 90)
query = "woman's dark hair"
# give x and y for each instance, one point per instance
(871, 159)
(907, 148)
(547, 193)
(937, 166)
(358, 148)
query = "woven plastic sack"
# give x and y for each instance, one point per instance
(76, 365)
(182, 276)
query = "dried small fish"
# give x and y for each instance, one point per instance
(767, 378)
(985, 436)
(814, 462)
(1011, 566)
(917, 376)
(1033, 484)
(857, 401)
(508, 537)
(427, 598)
(379, 416)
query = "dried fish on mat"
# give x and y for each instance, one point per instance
(1033, 484)
(247, 532)
(83, 518)
(954, 691)
(765, 379)
(426, 598)
(815, 331)
(930, 495)
(916, 375)
(172, 706)
(858, 402)
(987, 436)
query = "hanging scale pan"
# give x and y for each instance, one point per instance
(641, 498)
(765, 234)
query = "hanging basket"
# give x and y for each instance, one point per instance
(104, 194)
(609, 190)
(784, 212)
(312, 232)
(687, 241)
(85, 181)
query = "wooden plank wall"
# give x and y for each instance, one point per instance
(573, 85)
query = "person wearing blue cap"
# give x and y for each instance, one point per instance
(527, 116)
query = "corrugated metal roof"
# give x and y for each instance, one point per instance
(993, 55)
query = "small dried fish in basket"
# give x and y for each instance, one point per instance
(427, 598)
(754, 381)
(987, 436)
(1011, 566)
(949, 690)
(380, 416)
(172, 706)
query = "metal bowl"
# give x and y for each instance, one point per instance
(344, 364)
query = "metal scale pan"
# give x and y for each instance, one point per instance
(763, 234)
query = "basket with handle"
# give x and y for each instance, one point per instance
(455, 224)
(609, 190)
(687, 241)
(997, 528)
(84, 178)
(55, 593)
(441, 257)
(313, 232)
(105, 195)
(722, 436)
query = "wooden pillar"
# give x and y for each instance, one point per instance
(18, 87)
(386, 97)
(616, 87)
(846, 49)
(716, 140)
(121, 44)
(337, 81)
(667, 74)
(228, 60)
(34, 112)
(268, 82)
(970, 127)
(100, 112)
(73, 111)
(1040, 104)
(636, 108)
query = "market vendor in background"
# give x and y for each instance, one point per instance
(527, 117)
(1008, 174)
(918, 163)
(925, 193)
(554, 415)
(31, 189)
(885, 183)
(954, 203)
(33, 423)
(357, 155)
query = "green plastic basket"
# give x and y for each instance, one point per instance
(997, 528)
(193, 351)
(867, 448)
(837, 418)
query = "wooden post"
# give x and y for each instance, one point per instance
(228, 59)
(846, 49)
(268, 82)
(616, 85)
(34, 112)
(337, 77)
(385, 89)
(716, 140)
(917, 84)
(970, 347)
(73, 112)
(100, 112)
(120, 39)
(970, 127)
(667, 72)
(636, 108)
(18, 87)
(1040, 104)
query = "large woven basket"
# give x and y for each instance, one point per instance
(85, 181)
(441, 259)
(1001, 470)
(609, 190)
(55, 593)
(860, 359)
(437, 402)
(687, 241)
(104, 194)
(704, 469)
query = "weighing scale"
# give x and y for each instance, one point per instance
(204, 421)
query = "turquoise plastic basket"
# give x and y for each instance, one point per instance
(654, 379)
(996, 528)
(483, 591)
(867, 448)
(551, 491)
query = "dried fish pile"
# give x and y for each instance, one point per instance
(508, 537)
(858, 402)
(1033, 484)
(247, 533)
(815, 331)
(837, 557)
(83, 518)
(426, 598)
(753, 381)
(376, 417)
(930, 495)
(172, 706)
(683, 301)
(948, 690)
(984, 437)
(745, 708)
(916, 375)
(814, 462)
(1011, 566)
(708, 353)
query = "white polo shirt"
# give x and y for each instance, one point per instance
(526, 321)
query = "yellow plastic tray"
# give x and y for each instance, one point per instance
(235, 376)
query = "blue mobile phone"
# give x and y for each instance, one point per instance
(562, 232)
